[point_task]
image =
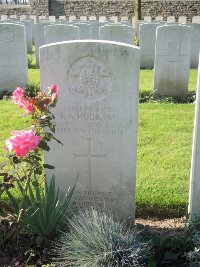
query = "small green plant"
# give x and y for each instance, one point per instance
(95, 240)
(32, 89)
(43, 213)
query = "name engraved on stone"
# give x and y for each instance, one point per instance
(89, 156)
(89, 79)
(89, 120)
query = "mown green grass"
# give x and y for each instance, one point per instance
(164, 155)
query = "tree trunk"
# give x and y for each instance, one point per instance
(137, 17)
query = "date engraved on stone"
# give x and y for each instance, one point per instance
(89, 79)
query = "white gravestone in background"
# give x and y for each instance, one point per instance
(59, 33)
(196, 19)
(182, 19)
(172, 61)
(84, 30)
(96, 120)
(195, 44)
(94, 29)
(194, 196)
(117, 33)
(147, 37)
(39, 38)
(29, 34)
(13, 58)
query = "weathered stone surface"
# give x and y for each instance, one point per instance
(117, 33)
(60, 32)
(96, 117)
(13, 63)
(39, 38)
(195, 44)
(147, 37)
(172, 61)
(194, 195)
(84, 30)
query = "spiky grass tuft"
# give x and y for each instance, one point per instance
(96, 240)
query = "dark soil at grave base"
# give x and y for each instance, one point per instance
(23, 242)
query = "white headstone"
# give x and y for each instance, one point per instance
(4, 17)
(33, 17)
(118, 33)
(92, 18)
(102, 19)
(159, 18)
(195, 44)
(13, 63)
(71, 18)
(114, 19)
(94, 28)
(52, 18)
(182, 19)
(147, 37)
(60, 32)
(13, 17)
(196, 19)
(96, 117)
(124, 18)
(83, 18)
(147, 18)
(42, 17)
(39, 38)
(194, 195)
(84, 30)
(171, 19)
(22, 17)
(29, 34)
(172, 61)
(62, 17)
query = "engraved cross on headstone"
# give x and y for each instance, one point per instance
(89, 156)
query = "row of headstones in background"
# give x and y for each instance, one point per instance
(13, 56)
(28, 23)
(147, 42)
(96, 121)
(46, 32)
(172, 60)
(181, 19)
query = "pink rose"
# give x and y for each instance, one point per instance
(24, 103)
(54, 89)
(18, 95)
(22, 142)
(27, 106)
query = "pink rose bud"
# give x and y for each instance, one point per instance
(54, 88)
(22, 142)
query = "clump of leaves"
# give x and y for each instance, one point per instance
(42, 213)
(32, 89)
(95, 240)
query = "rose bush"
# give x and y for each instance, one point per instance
(24, 160)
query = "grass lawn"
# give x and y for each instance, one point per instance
(164, 155)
